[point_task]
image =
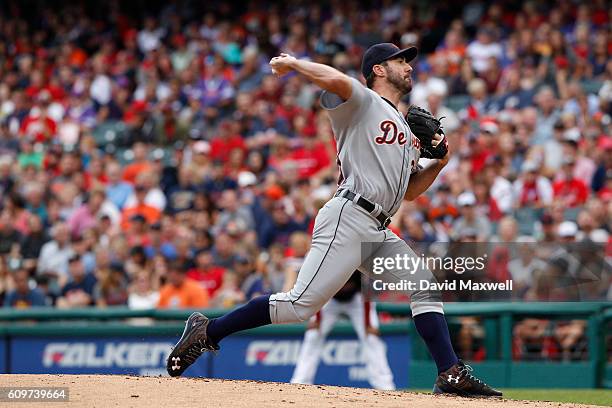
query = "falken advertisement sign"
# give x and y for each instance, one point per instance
(89, 355)
(241, 357)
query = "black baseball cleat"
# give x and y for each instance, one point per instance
(192, 344)
(458, 380)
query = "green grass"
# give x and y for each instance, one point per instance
(577, 396)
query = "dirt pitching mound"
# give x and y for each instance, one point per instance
(151, 392)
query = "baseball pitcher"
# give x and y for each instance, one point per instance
(377, 155)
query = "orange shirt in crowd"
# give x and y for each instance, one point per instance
(151, 214)
(132, 170)
(189, 295)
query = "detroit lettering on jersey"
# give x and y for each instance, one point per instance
(390, 135)
(376, 150)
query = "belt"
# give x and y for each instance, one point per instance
(375, 210)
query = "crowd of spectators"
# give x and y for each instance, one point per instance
(151, 159)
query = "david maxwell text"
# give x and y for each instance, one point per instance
(425, 284)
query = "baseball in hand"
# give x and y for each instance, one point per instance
(437, 138)
(281, 65)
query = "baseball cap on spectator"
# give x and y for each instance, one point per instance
(382, 52)
(572, 135)
(466, 199)
(274, 192)
(488, 125)
(74, 258)
(605, 143)
(409, 38)
(423, 66)
(195, 134)
(138, 218)
(599, 235)
(436, 88)
(117, 267)
(505, 116)
(567, 229)
(246, 178)
(157, 154)
(202, 147)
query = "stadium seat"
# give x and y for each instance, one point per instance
(108, 132)
(526, 218)
(571, 214)
(457, 102)
(591, 86)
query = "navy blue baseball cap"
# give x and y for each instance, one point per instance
(382, 52)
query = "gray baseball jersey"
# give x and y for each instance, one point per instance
(377, 152)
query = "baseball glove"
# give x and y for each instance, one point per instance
(424, 125)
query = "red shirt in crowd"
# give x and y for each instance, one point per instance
(42, 128)
(573, 191)
(220, 148)
(310, 161)
(90, 180)
(210, 279)
(479, 159)
(529, 194)
(288, 113)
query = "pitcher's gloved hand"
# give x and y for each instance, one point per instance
(425, 126)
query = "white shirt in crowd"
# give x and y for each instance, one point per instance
(155, 198)
(149, 40)
(101, 89)
(420, 90)
(502, 193)
(54, 259)
(480, 54)
(137, 301)
(543, 187)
